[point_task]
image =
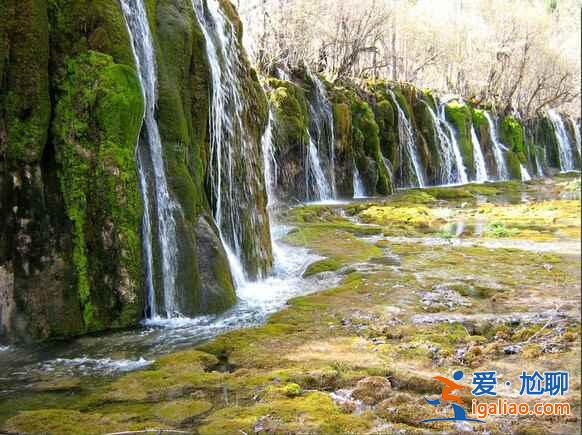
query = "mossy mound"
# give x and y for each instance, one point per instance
(329, 265)
(512, 134)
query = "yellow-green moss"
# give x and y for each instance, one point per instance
(366, 142)
(512, 135)
(97, 123)
(24, 97)
(328, 265)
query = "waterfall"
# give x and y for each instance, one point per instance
(282, 74)
(232, 172)
(480, 166)
(408, 143)
(151, 169)
(314, 177)
(524, 173)
(565, 148)
(498, 148)
(454, 147)
(269, 161)
(446, 154)
(453, 169)
(322, 125)
(359, 189)
(576, 126)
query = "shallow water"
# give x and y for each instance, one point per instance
(559, 247)
(120, 352)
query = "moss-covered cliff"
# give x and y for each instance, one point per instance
(71, 112)
(69, 119)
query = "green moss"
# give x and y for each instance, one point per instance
(499, 230)
(24, 97)
(413, 196)
(450, 193)
(386, 119)
(314, 413)
(366, 143)
(293, 390)
(512, 135)
(514, 161)
(429, 98)
(346, 247)
(180, 410)
(479, 118)
(58, 421)
(292, 114)
(328, 265)
(98, 119)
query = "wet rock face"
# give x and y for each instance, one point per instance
(216, 292)
(289, 103)
(71, 244)
(71, 213)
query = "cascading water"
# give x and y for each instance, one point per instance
(480, 166)
(152, 172)
(453, 169)
(408, 144)
(446, 167)
(316, 184)
(576, 126)
(234, 179)
(359, 189)
(454, 147)
(282, 74)
(564, 145)
(322, 126)
(388, 165)
(565, 148)
(524, 173)
(269, 162)
(498, 149)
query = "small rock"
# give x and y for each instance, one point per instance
(372, 390)
(512, 350)
(265, 424)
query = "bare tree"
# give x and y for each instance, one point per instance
(523, 56)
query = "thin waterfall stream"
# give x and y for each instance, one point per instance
(525, 176)
(498, 149)
(454, 147)
(152, 172)
(408, 144)
(565, 147)
(576, 126)
(447, 170)
(316, 184)
(322, 125)
(359, 189)
(480, 166)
